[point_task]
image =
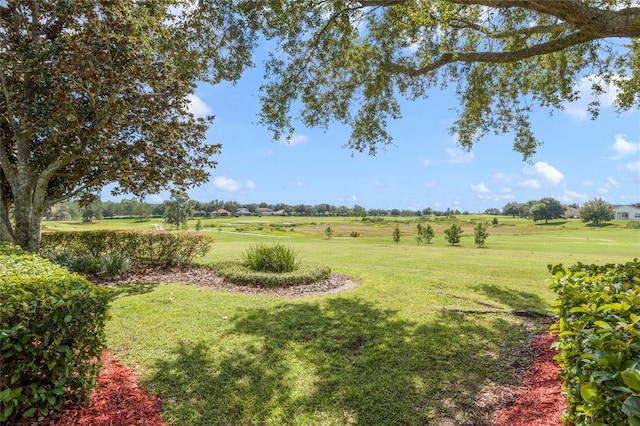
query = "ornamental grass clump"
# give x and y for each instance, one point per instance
(271, 266)
(275, 258)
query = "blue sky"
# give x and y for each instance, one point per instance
(581, 159)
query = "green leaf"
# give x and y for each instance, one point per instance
(58, 391)
(631, 378)
(634, 421)
(589, 392)
(7, 411)
(5, 395)
(631, 406)
(30, 412)
(68, 318)
(603, 324)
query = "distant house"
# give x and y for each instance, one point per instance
(264, 211)
(571, 213)
(243, 211)
(220, 212)
(625, 212)
(200, 213)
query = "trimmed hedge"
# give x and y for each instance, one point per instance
(155, 247)
(599, 338)
(51, 333)
(237, 272)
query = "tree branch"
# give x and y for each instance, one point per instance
(503, 57)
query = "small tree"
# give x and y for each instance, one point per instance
(328, 232)
(420, 236)
(596, 211)
(428, 234)
(198, 225)
(396, 234)
(452, 234)
(179, 209)
(481, 234)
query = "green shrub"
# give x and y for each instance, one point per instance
(274, 258)
(52, 334)
(237, 272)
(115, 263)
(452, 234)
(155, 247)
(599, 338)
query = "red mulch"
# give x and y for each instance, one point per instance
(119, 401)
(540, 401)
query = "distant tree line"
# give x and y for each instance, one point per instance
(180, 207)
(71, 210)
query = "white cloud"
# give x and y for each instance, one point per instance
(634, 167)
(198, 107)
(226, 184)
(377, 183)
(430, 184)
(426, 162)
(496, 197)
(623, 147)
(153, 198)
(251, 184)
(501, 177)
(588, 183)
(457, 156)
(578, 109)
(295, 139)
(546, 173)
(611, 181)
(353, 198)
(530, 184)
(481, 187)
(572, 197)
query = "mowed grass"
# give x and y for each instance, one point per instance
(422, 339)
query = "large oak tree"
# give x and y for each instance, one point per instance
(350, 61)
(96, 92)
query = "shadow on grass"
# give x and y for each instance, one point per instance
(131, 289)
(340, 361)
(518, 300)
(599, 225)
(554, 223)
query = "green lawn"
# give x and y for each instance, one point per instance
(405, 347)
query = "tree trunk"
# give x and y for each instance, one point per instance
(29, 206)
(27, 233)
(28, 221)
